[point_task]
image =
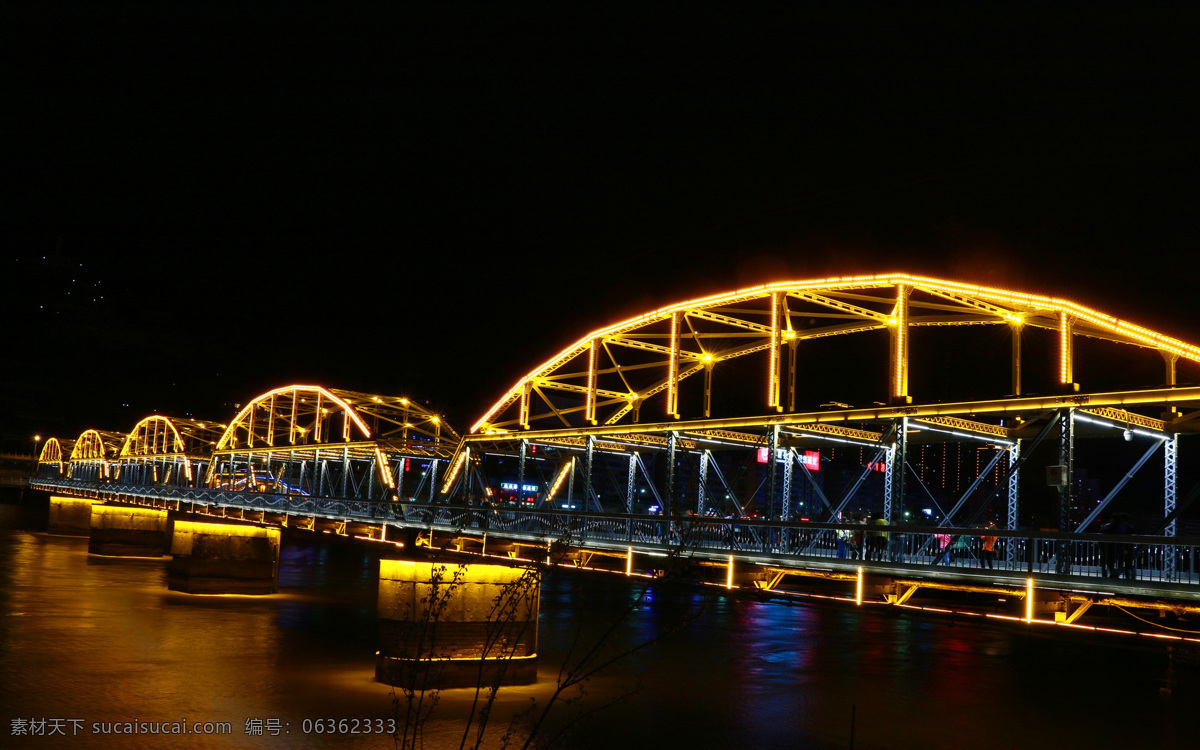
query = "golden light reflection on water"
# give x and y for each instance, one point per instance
(107, 642)
(104, 640)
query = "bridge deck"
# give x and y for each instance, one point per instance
(1092, 564)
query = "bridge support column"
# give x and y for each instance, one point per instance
(1066, 489)
(786, 511)
(898, 346)
(672, 438)
(1016, 327)
(773, 468)
(521, 472)
(129, 532)
(1170, 462)
(589, 493)
(630, 486)
(893, 480)
(216, 558)
(70, 516)
(1014, 499)
(447, 626)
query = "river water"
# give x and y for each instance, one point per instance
(103, 642)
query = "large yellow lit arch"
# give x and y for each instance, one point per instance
(592, 381)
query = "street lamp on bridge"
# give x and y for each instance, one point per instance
(36, 439)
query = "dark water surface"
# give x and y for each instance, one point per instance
(104, 641)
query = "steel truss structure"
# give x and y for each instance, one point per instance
(94, 455)
(168, 451)
(581, 416)
(606, 430)
(313, 441)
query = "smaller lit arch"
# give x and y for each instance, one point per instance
(309, 414)
(293, 414)
(159, 445)
(157, 435)
(152, 436)
(278, 438)
(54, 454)
(95, 445)
(94, 453)
(51, 452)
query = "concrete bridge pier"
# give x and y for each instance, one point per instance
(70, 516)
(447, 625)
(222, 558)
(120, 531)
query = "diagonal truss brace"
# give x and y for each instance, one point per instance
(649, 481)
(1119, 486)
(949, 517)
(1011, 471)
(712, 462)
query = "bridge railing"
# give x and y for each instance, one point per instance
(1120, 558)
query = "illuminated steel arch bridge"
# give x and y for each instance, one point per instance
(721, 422)
(627, 417)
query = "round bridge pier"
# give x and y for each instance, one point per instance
(444, 625)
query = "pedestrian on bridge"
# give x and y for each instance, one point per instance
(987, 554)
(1108, 550)
(1122, 524)
(877, 542)
(844, 540)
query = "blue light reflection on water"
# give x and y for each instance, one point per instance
(765, 674)
(104, 639)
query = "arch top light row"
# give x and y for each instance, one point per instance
(296, 415)
(302, 414)
(607, 375)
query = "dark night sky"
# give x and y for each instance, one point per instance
(431, 202)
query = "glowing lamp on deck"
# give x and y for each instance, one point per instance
(1029, 600)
